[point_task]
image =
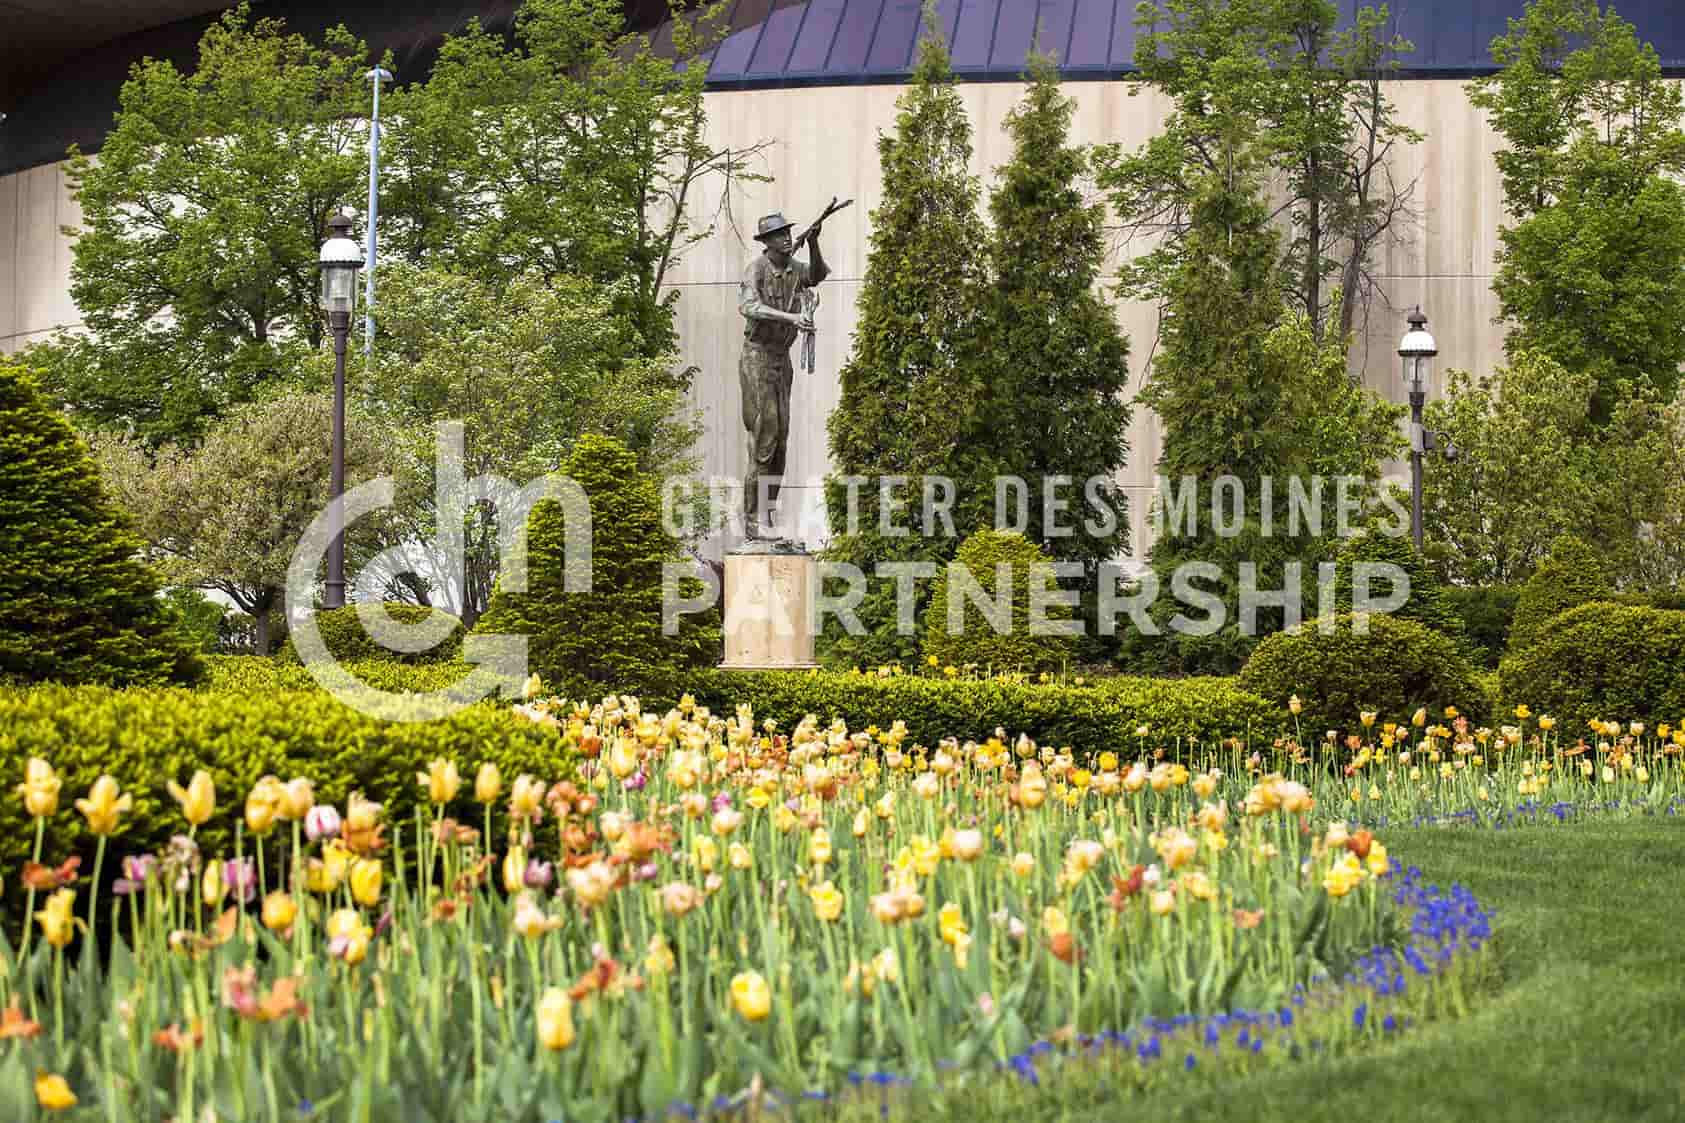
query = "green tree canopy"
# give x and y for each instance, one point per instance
(228, 513)
(1592, 270)
(195, 264)
(1310, 84)
(610, 638)
(574, 149)
(1529, 469)
(76, 602)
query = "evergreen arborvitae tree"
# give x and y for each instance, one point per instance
(907, 387)
(76, 602)
(1054, 361)
(609, 638)
(1245, 391)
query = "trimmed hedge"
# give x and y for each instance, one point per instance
(1396, 667)
(146, 737)
(255, 674)
(1089, 719)
(1602, 660)
(347, 640)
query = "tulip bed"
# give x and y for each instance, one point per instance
(721, 912)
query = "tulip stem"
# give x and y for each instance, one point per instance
(29, 909)
(93, 897)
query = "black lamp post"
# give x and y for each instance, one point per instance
(1416, 349)
(341, 258)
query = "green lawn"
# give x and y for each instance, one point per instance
(1589, 1023)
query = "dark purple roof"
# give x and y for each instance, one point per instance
(826, 42)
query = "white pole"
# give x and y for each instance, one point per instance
(377, 76)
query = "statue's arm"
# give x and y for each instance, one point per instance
(749, 300)
(817, 270)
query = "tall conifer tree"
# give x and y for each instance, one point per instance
(907, 384)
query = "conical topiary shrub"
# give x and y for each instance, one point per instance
(609, 638)
(1010, 570)
(77, 605)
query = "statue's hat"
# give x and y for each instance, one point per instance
(770, 225)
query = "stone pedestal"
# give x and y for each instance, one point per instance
(769, 591)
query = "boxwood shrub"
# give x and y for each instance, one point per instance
(146, 737)
(1089, 718)
(1396, 667)
(1602, 660)
(1486, 612)
(348, 640)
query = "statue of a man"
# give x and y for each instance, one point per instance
(771, 300)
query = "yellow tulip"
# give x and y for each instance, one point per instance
(52, 1093)
(40, 788)
(296, 797)
(198, 799)
(1024, 863)
(366, 877)
(279, 911)
(555, 1020)
(623, 757)
(968, 845)
(739, 856)
(526, 798)
(488, 783)
(263, 804)
(950, 923)
(530, 920)
(441, 780)
(57, 918)
(515, 869)
(827, 901)
(750, 996)
(103, 806)
(1377, 861)
(819, 846)
(211, 887)
(361, 815)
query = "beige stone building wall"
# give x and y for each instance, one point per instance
(824, 144)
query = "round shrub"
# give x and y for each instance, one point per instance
(609, 638)
(1602, 660)
(1425, 601)
(1396, 667)
(1005, 643)
(1573, 575)
(348, 641)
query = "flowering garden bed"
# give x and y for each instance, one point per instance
(719, 911)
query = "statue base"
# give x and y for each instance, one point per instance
(769, 591)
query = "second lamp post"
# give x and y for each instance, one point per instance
(1416, 348)
(341, 259)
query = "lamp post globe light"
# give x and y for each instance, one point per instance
(1417, 349)
(341, 259)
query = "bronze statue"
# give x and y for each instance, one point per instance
(777, 303)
